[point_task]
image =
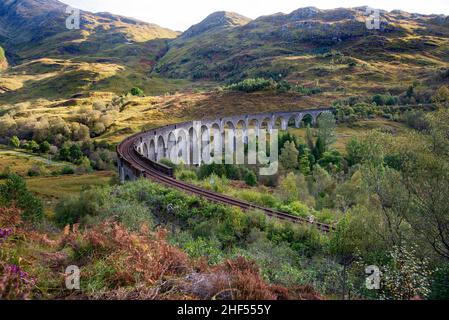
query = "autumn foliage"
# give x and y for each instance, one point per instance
(137, 265)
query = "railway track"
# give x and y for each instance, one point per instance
(144, 167)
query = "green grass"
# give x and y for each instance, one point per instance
(20, 162)
(53, 189)
(344, 132)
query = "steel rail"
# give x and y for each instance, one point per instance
(127, 152)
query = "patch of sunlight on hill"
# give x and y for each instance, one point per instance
(33, 80)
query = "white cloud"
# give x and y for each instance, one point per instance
(181, 14)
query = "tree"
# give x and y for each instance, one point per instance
(351, 193)
(439, 132)
(289, 156)
(253, 85)
(331, 158)
(80, 132)
(309, 138)
(64, 154)
(293, 187)
(44, 147)
(288, 188)
(406, 276)
(75, 153)
(15, 142)
(343, 248)
(322, 181)
(304, 164)
(287, 136)
(354, 152)
(326, 129)
(319, 149)
(15, 191)
(98, 128)
(441, 97)
(426, 179)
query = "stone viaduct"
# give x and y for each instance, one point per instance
(180, 141)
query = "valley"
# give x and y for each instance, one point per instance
(375, 169)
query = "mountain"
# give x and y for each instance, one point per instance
(108, 52)
(37, 28)
(216, 21)
(331, 47)
(330, 51)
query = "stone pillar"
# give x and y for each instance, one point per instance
(121, 171)
(284, 124)
(205, 146)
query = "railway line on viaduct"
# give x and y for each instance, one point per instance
(138, 155)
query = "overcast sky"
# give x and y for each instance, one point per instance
(181, 14)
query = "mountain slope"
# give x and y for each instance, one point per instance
(37, 28)
(329, 51)
(218, 20)
(108, 53)
(332, 45)
(3, 61)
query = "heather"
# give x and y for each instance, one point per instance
(117, 263)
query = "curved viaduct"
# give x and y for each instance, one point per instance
(159, 143)
(138, 155)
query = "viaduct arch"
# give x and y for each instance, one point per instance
(181, 141)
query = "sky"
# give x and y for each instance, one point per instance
(179, 15)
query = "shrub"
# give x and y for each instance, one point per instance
(415, 119)
(167, 163)
(186, 175)
(250, 178)
(296, 208)
(15, 284)
(253, 85)
(14, 190)
(34, 171)
(209, 169)
(72, 210)
(331, 158)
(260, 198)
(15, 142)
(67, 170)
(32, 145)
(229, 171)
(308, 91)
(44, 147)
(75, 153)
(385, 100)
(200, 247)
(137, 92)
(406, 276)
(283, 86)
(440, 284)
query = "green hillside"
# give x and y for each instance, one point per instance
(328, 52)
(333, 46)
(50, 61)
(3, 61)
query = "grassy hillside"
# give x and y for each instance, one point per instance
(108, 52)
(331, 49)
(3, 61)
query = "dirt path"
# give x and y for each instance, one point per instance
(18, 153)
